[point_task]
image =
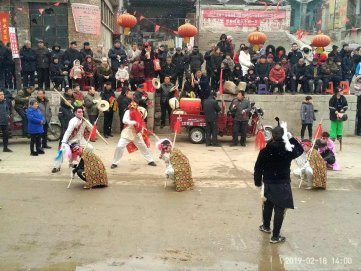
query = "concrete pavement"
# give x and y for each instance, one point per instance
(136, 224)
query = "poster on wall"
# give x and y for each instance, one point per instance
(4, 24)
(14, 42)
(86, 18)
(338, 13)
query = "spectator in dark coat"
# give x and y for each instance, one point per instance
(216, 61)
(179, 62)
(86, 51)
(28, 65)
(117, 56)
(65, 113)
(280, 53)
(237, 74)
(124, 101)
(169, 69)
(207, 58)
(201, 85)
(9, 65)
(4, 118)
(298, 76)
(313, 77)
(211, 110)
(224, 45)
(195, 59)
(136, 73)
(307, 117)
(3, 60)
(263, 69)
(162, 55)
(42, 65)
(56, 51)
(334, 53)
(56, 72)
(270, 49)
(147, 56)
(71, 54)
(294, 55)
(347, 67)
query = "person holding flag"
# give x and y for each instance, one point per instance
(211, 109)
(134, 136)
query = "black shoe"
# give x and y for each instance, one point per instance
(243, 144)
(46, 147)
(54, 170)
(217, 145)
(40, 151)
(113, 166)
(106, 136)
(233, 145)
(264, 229)
(111, 135)
(34, 154)
(7, 150)
(152, 164)
(278, 239)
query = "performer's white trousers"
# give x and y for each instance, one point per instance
(82, 143)
(138, 142)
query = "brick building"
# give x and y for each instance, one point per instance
(53, 21)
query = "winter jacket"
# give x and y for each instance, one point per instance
(113, 54)
(169, 70)
(55, 70)
(237, 107)
(77, 71)
(277, 75)
(245, 61)
(202, 89)
(307, 113)
(107, 95)
(20, 99)
(207, 58)
(123, 103)
(237, 74)
(149, 71)
(122, 74)
(274, 162)
(89, 67)
(298, 70)
(328, 69)
(216, 61)
(262, 69)
(57, 53)
(42, 58)
(97, 57)
(45, 109)
(86, 52)
(4, 112)
(35, 119)
(165, 92)
(313, 72)
(225, 46)
(71, 55)
(229, 63)
(347, 67)
(90, 106)
(179, 61)
(28, 59)
(211, 109)
(294, 56)
(138, 97)
(65, 115)
(137, 70)
(340, 105)
(102, 71)
(162, 56)
(195, 60)
(132, 55)
(280, 52)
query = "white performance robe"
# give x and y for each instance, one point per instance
(129, 135)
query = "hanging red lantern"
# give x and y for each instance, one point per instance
(187, 31)
(321, 40)
(127, 21)
(256, 38)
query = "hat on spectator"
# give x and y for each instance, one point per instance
(86, 43)
(73, 43)
(107, 83)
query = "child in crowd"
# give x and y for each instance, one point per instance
(250, 79)
(77, 72)
(66, 71)
(36, 123)
(122, 76)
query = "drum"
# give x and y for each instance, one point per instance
(191, 106)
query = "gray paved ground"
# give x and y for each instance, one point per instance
(136, 224)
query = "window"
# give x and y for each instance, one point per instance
(107, 16)
(50, 26)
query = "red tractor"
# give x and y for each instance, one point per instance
(196, 124)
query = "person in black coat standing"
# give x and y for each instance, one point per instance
(273, 169)
(179, 61)
(211, 109)
(86, 51)
(28, 65)
(109, 96)
(124, 101)
(4, 118)
(42, 65)
(169, 69)
(3, 60)
(294, 55)
(72, 53)
(117, 56)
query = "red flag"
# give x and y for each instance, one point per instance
(156, 28)
(221, 82)
(177, 127)
(41, 10)
(260, 141)
(93, 132)
(319, 22)
(56, 4)
(318, 132)
(141, 18)
(299, 34)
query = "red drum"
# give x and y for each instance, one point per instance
(191, 106)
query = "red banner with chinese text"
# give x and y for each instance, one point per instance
(4, 23)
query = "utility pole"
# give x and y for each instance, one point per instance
(16, 60)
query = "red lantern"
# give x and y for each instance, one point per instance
(127, 21)
(321, 40)
(256, 39)
(187, 31)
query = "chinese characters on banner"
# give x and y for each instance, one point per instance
(4, 23)
(243, 18)
(86, 18)
(14, 42)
